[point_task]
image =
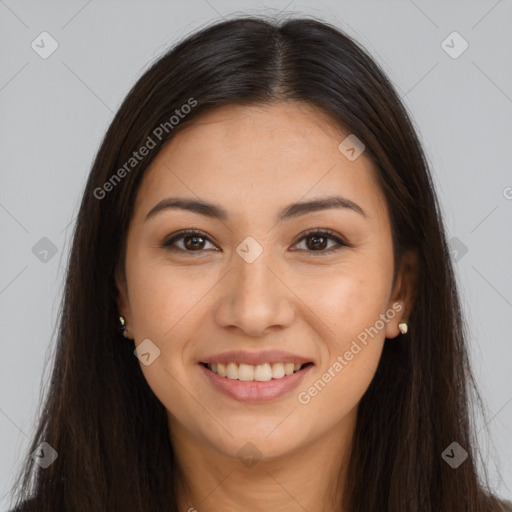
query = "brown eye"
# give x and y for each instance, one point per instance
(317, 241)
(193, 241)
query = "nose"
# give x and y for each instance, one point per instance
(255, 297)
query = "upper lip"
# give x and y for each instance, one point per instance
(256, 358)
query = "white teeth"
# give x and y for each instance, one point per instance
(245, 372)
(278, 370)
(288, 368)
(232, 371)
(261, 373)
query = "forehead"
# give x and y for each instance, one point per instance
(260, 157)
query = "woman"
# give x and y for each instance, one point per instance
(260, 311)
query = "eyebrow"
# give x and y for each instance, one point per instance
(216, 211)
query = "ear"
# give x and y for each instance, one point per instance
(403, 292)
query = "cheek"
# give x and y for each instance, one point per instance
(165, 303)
(349, 300)
(351, 305)
(163, 297)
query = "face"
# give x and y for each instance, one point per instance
(262, 282)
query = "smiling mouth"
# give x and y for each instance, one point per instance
(259, 373)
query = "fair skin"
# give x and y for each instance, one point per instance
(206, 299)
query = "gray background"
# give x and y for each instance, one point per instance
(55, 110)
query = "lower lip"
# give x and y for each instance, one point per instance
(255, 391)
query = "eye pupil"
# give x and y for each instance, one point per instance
(315, 244)
(195, 239)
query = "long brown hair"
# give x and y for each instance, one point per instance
(99, 414)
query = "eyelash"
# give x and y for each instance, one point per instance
(323, 233)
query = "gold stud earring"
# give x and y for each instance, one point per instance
(402, 326)
(123, 328)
